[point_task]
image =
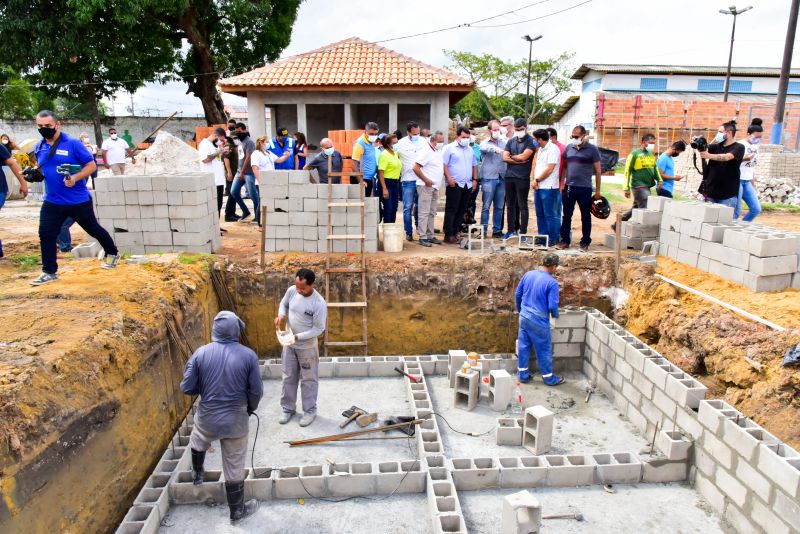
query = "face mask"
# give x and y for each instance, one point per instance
(755, 141)
(495, 135)
(47, 133)
(415, 138)
(329, 151)
(720, 137)
(503, 130)
(575, 141)
(241, 135)
(520, 134)
(463, 142)
(372, 138)
(472, 139)
(5, 141)
(114, 137)
(85, 140)
(439, 145)
(237, 142)
(651, 147)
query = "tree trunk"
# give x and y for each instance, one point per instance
(204, 85)
(91, 98)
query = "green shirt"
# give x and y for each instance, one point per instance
(390, 165)
(641, 170)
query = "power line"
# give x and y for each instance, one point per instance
(535, 18)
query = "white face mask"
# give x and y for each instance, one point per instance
(574, 141)
(463, 141)
(114, 136)
(372, 138)
(85, 140)
(472, 139)
(496, 134)
(439, 145)
(503, 130)
(520, 134)
(651, 147)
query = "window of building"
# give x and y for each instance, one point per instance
(740, 86)
(716, 86)
(794, 88)
(594, 85)
(653, 84)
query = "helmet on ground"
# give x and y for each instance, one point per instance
(601, 208)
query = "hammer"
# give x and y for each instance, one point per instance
(577, 516)
(352, 414)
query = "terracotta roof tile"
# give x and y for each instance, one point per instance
(352, 62)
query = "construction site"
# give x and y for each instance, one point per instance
(675, 342)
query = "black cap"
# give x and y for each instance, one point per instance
(283, 131)
(550, 260)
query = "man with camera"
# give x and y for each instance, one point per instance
(64, 163)
(723, 155)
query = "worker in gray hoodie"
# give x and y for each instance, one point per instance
(227, 377)
(307, 313)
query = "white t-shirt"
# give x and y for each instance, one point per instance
(748, 168)
(548, 155)
(215, 166)
(265, 161)
(115, 150)
(432, 162)
(408, 151)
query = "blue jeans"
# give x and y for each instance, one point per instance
(409, 203)
(536, 335)
(494, 195)
(748, 193)
(2, 201)
(252, 192)
(548, 213)
(64, 237)
(730, 202)
(583, 197)
(388, 207)
(234, 198)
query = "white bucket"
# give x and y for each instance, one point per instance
(393, 236)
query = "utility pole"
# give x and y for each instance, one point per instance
(735, 12)
(530, 58)
(783, 85)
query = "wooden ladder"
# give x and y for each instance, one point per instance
(350, 269)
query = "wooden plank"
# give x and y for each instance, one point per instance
(345, 343)
(338, 437)
(346, 304)
(347, 236)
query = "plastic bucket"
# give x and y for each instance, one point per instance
(393, 236)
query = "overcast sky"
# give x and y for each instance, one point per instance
(679, 32)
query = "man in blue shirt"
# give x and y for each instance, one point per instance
(537, 300)
(279, 146)
(666, 166)
(461, 173)
(11, 163)
(65, 197)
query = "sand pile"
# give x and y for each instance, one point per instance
(167, 154)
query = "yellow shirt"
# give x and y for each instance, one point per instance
(390, 165)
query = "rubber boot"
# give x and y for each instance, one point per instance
(198, 457)
(239, 509)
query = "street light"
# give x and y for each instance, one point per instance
(735, 12)
(530, 56)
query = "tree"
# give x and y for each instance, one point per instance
(56, 47)
(222, 35)
(16, 96)
(500, 84)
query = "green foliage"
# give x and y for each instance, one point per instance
(25, 262)
(190, 259)
(501, 85)
(789, 208)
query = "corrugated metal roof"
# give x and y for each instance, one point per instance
(563, 108)
(678, 69)
(352, 63)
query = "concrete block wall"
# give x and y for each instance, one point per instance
(297, 214)
(159, 213)
(704, 236)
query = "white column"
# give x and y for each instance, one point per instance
(256, 121)
(348, 116)
(392, 126)
(302, 126)
(440, 113)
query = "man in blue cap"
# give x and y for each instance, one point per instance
(226, 375)
(537, 300)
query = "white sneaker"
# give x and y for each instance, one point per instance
(44, 278)
(285, 418)
(109, 262)
(307, 419)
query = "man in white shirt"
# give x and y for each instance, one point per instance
(429, 169)
(408, 149)
(115, 150)
(546, 191)
(211, 162)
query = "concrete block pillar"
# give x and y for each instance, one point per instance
(537, 432)
(256, 119)
(392, 126)
(466, 392)
(501, 389)
(522, 514)
(348, 116)
(440, 113)
(302, 125)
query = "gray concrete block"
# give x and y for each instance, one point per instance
(302, 219)
(475, 473)
(688, 258)
(757, 283)
(275, 191)
(685, 390)
(501, 389)
(738, 239)
(731, 487)
(466, 394)
(788, 509)
(706, 487)
(186, 212)
(524, 472)
(780, 464)
(721, 453)
(711, 413)
(128, 183)
(617, 468)
(691, 228)
(299, 177)
(773, 265)
(689, 244)
(277, 177)
(189, 239)
(456, 359)
(282, 245)
(646, 217)
(657, 203)
(537, 434)
(713, 232)
(656, 469)
(673, 445)
(509, 431)
(766, 519)
(570, 470)
(773, 244)
(521, 513)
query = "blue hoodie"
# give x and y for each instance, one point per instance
(227, 377)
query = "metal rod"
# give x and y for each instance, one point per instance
(783, 84)
(339, 437)
(730, 58)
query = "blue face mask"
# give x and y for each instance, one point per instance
(329, 151)
(755, 140)
(720, 137)
(415, 138)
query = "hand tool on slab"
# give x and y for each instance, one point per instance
(577, 516)
(393, 421)
(366, 419)
(351, 415)
(412, 378)
(343, 437)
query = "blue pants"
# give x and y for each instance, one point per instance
(2, 201)
(234, 198)
(51, 221)
(494, 196)
(252, 192)
(248, 181)
(536, 335)
(409, 203)
(548, 213)
(664, 193)
(388, 207)
(64, 237)
(583, 197)
(730, 202)
(748, 193)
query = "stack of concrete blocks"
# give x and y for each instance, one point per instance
(640, 228)
(704, 236)
(501, 389)
(537, 430)
(297, 214)
(522, 514)
(466, 393)
(159, 213)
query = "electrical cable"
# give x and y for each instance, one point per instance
(535, 18)
(473, 434)
(311, 495)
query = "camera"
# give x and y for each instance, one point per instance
(700, 143)
(33, 175)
